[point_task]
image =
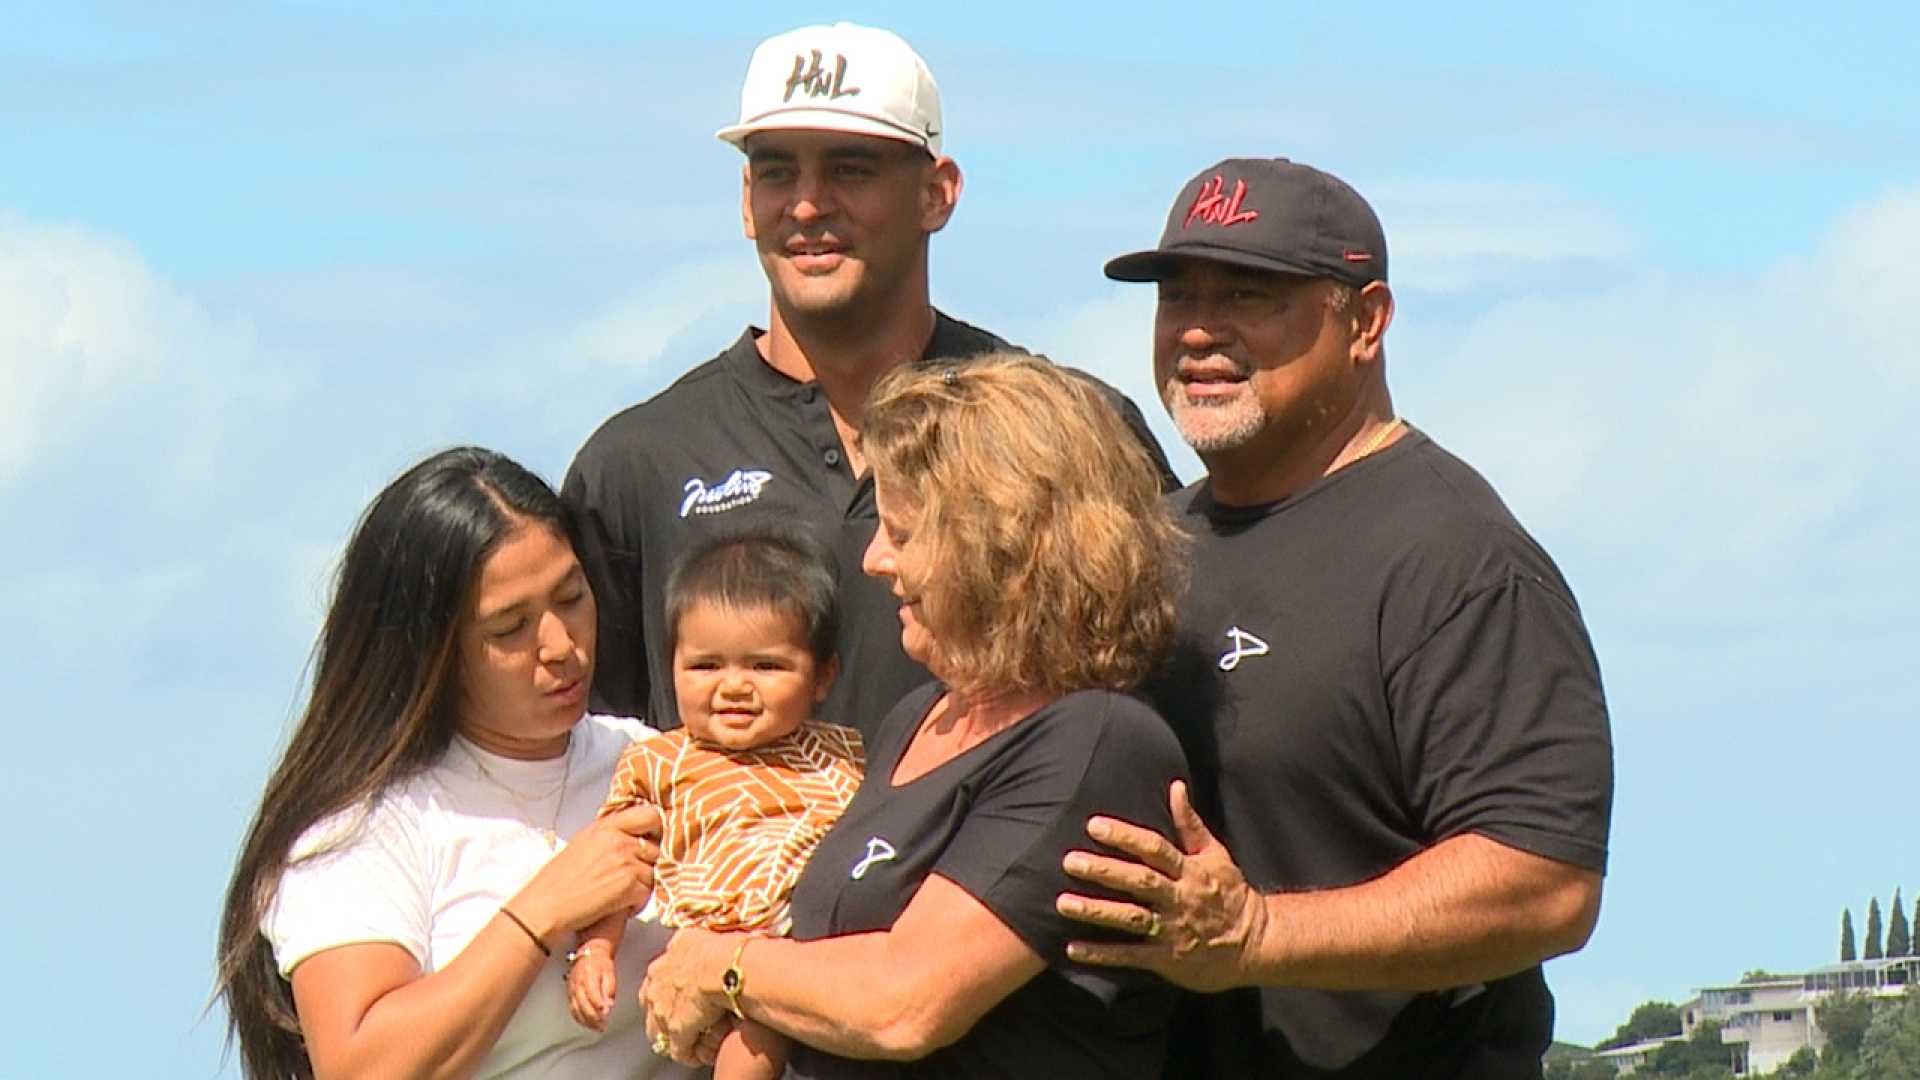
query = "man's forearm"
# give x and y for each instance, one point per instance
(1466, 910)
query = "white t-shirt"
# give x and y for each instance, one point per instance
(436, 858)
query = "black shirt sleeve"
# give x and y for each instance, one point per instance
(606, 512)
(1100, 753)
(1502, 727)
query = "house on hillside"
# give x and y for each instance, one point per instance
(1627, 1060)
(1764, 1022)
(1767, 1021)
(1888, 977)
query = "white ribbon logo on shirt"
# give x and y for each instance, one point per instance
(739, 489)
(1244, 645)
(878, 851)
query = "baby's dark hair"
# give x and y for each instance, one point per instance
(765, 566)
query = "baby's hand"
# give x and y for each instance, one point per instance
(591, 986)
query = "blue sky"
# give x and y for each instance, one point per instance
(1655, 279)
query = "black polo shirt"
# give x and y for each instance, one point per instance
(734, 438)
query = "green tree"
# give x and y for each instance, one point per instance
(1899, 940)
(1585, 1069)
(1844, 1017)
(1801, 1065)
(1700, 1056)
(1846, 935)
(1832, 1068)
(1649, 1020)
(1872, 951)
(1891, 1048)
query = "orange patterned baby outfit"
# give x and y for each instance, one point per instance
(739, 824)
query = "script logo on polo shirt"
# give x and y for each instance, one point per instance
(1244, 645)
(739, 489)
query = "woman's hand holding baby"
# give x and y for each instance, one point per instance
(606, 867)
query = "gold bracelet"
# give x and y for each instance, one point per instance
(733, 981)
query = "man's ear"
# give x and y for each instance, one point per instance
(1372, 314)
(746, 200)
(940, 194)
(823, 681)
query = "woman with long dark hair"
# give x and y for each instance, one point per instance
(404, 897)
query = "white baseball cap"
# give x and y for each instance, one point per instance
(839, 78)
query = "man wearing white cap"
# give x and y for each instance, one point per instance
(845, 183)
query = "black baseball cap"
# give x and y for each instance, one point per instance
(1267, 214)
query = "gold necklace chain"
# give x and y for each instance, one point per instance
(1379, 437)
(551, 834)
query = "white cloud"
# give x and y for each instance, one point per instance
(1445, 220)
(539, 388)
(1728, 433)
(125, 413)
(1458, 237)
(82, 321)
(373, 299)
(633, 329)
(1865, 272)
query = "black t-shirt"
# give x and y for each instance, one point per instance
(1365, 669)
(731, 439)
(997, 820)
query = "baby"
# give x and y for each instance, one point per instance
(750, 783)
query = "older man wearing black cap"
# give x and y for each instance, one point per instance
(1402, 762)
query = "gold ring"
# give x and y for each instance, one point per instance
(661, 1045)
(1153, 923)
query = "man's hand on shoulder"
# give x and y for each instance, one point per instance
(1200, 922)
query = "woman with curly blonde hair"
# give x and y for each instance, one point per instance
(1022, 529)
